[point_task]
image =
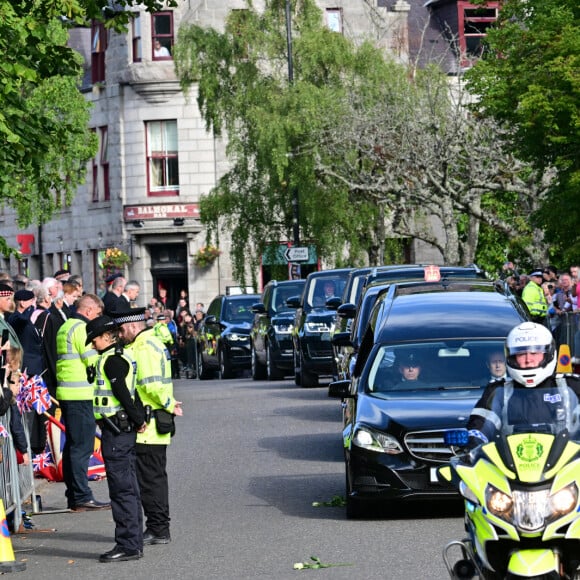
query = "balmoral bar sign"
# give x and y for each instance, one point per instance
(160, 211)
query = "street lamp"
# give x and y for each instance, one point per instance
(295, 198)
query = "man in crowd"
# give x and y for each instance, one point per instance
(112, 299)
(534, 297)
(155, 389)
(75, 395)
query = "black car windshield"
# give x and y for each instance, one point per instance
(321, 289)
(438, 365)
(240, 310)
(281, 293)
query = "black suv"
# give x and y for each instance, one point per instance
(314, 325)
(421, 367)
(272, 351)
(223, 341)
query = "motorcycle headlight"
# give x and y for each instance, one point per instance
(376, 441)
(283, 328)
(499, 503)
(563, 501)
(319, 327)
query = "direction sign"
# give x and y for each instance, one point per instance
(296, 254)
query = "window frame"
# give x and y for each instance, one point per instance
(166, 189)
(334, 12)
(162, 37)
(137, 37)
(99, 38)
(467, 59)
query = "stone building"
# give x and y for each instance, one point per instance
(155, 157)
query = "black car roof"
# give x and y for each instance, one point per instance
(417, 272)
(329, 273)
(234, 297)
(484, 313)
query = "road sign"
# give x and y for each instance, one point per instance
(296, 254)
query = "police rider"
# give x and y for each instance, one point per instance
(531, 394)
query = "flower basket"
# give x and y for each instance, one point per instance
(206, 256)
(115, 258)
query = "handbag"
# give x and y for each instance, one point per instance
(164, 421)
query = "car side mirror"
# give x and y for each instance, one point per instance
(340, 390)
(258, 308)
(346, 311)
(211, 319)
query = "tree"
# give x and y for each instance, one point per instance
(530, 79)
(44, 119)
(437, 171)
(243, 92)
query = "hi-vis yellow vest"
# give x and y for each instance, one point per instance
(73, 358)
(105, 403)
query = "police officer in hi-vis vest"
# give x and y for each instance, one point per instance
(119, 413)
(155, 388)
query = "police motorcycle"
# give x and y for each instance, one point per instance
(521, 495)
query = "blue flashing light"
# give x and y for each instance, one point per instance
(456, 437)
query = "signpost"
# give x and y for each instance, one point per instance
(296, 254)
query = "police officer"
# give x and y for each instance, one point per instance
(531, 393)
(155, 389)
(119, 413)
(75, 396)
(535, 298)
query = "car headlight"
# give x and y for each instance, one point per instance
(376, 441)
(283, 328)
(319, 327)
(234, 337)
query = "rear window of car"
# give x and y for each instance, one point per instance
(450, 366)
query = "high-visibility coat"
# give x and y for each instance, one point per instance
(73, 358)
(154, 383)
(535, 299)
(105, 403)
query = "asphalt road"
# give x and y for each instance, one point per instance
(247, 463)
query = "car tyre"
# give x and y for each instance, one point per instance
(258, 369)
(297, 374)
(202, 372)
(225, 368)
(272, 371)
(355, 509)
(308, 380)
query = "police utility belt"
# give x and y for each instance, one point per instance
(117, 423)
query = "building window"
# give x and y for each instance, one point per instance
(98, 48)
(474, 21)
(101, 167)
(162, 158)
(162, 35)
(333, 18)
(137, 44)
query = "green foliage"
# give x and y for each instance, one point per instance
(531, 79)
(242, 75)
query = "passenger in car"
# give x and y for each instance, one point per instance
(496, 365)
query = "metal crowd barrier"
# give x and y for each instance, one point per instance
(16, 481)
(568, 332)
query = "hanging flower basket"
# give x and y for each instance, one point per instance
(115, 258)
(206, 256)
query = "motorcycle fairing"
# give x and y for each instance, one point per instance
(530, 452)
(533, 563)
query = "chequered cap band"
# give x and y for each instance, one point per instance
(130, 318)
(6, 292)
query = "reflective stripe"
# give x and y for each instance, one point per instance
(488, 416)
(69, 356)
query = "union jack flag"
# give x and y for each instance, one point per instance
(3, 431)
(40, 396)
(41, 461)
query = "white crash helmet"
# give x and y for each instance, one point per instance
(530, 337)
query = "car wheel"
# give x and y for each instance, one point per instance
(307, 379)
(355, 509)
(202, 371)
(271, 370)
(225, 368)
(297, 374)
(258, 369)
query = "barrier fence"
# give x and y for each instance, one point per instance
(16, 481)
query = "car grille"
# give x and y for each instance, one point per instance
(428, 445)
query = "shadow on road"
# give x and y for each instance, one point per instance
(321, 447)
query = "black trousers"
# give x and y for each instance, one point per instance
(154, 487)
(120, 465)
